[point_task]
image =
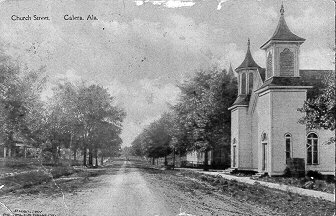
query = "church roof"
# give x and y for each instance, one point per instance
(282, 32)
(262, 72)
(314, 78)
(248, 61)
(317, 79)
(231, 70)
(242, 100)
(283, 81)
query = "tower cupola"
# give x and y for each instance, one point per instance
(248, 62)
(282, 50)
(246, 72)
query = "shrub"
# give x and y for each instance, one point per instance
(217, 181)
(319, 185)
(314, 174)
(204, 178)
(235, 171)
(287, 172)
(330, 179)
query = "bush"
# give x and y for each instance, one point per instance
(314, 174)
(204, 178)
(61, 171)
(235, 171)
(330, 179)
(287, 172)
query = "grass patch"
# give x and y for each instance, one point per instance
(280, 201)
(327, 186)
(320, 183)
(34, 177)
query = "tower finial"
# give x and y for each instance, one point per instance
(282, 9)
(248, 42)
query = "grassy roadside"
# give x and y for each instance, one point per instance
(327, 186)
(24, 173)
(28, 179)
(14, 165)
(280, 201)
(319, 183)
(51, 180)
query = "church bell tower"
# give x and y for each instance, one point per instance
(282, 51)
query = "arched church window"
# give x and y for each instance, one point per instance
(312, 150)
(286, 63)
(234, 141)
(288, 143)
(243, 84)
(269, 67)
(250, 83)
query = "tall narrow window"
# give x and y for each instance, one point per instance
(286, 63)
(288, 140)
(243, 84)
(250, 83)
(269, 68)
(264, 153)
(312, 151)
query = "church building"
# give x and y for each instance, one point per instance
(265, 132)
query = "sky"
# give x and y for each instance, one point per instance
(141, 49)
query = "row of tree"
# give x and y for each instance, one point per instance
(76, 116)
(320, 108)
(199, 121)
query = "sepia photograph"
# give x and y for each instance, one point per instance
(167, 107)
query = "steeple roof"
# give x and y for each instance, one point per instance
(230, 72)
(282, 32)
(248, 61)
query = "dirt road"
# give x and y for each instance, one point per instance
(127, 189)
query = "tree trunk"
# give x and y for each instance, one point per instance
(59, 151)
(70, 146)
(90, 157)
(75, 154)
(174, 157)
(102, 160)
(205, 165)
(84, 158)
(165, 160)
(96, 158)
(54, 153)
(5, 151)
(153, 161)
